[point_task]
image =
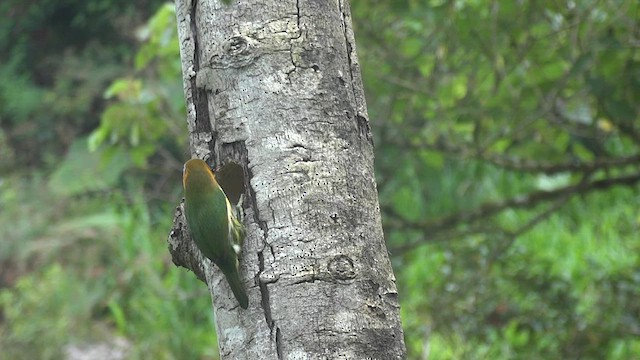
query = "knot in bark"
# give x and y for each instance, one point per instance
(341, 268)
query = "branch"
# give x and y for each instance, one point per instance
(550, 168)
(513, 235)
(526, 165)
(487, 230)
(490, 209)
(446, 234)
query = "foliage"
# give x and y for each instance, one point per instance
(498, 115)
(504, 135)
(89, 230)
(143, 116)
(38, 331)
(103, 271)
(56, 57)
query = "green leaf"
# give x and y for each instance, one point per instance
(82, 171)
(118, 315)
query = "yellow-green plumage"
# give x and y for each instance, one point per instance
(213, 224)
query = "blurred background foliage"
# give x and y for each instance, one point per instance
(507, 154)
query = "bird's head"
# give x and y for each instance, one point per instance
(197, 175)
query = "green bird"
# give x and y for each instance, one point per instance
(213, 223)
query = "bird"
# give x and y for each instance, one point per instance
(213, 223)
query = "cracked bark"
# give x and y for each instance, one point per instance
(275, 86)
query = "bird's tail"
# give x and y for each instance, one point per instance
(233, 278)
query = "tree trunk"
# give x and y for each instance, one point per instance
(275, 86)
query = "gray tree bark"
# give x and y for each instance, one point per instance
(275, 86)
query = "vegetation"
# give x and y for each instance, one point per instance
(508, 161)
